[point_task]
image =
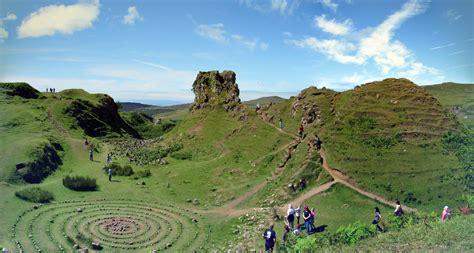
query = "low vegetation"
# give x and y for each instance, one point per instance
(80, 183)
(35, 194)
(119, 170)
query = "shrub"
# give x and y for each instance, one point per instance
(35, 194)
(80, 183)
(182, 155)
(118, 170)
(353, 233)
(143, 173)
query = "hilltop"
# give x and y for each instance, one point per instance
(221, 169)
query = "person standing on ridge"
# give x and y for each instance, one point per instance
(270, 239)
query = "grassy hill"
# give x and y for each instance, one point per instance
(459, 98)
(214, 178)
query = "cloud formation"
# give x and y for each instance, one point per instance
(329, 4)
(132, 16)
(3, 32)
(378, 46)
(333, 27)
(282, 6)
(217, 33)
(63, 19)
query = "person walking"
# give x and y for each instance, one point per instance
(91, 155)
(377, 219)
(307, 217)
(298, 214)
(109, 172)
(270, 239)
(398, 210)
(301, 132)
(280, 123)
(446, 215)
(290, 216)
(109, 158)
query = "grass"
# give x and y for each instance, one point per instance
(222, 158)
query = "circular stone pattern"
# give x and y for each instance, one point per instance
(116, 225)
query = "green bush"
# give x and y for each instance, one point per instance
(35, 194)
(118, 170)
(80, 183)
(182, 155)
(353, 233)
(143, 173)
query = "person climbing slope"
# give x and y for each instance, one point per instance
(446, 215)
(301, 132)
(270, 239)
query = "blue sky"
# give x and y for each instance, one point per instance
(150, 51)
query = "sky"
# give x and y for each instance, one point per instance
(150, 51)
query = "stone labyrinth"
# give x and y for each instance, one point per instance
(117, 225)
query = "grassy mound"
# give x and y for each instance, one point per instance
(145, 124)
(80, 183)
(23, 90)
(45, 160)
(35, 194)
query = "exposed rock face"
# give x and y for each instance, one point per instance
(216, 90)
(23, 90)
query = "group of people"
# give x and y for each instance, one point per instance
(293, 215)
(51, 90)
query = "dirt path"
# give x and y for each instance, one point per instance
(349, 182)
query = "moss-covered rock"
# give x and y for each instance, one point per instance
(213, 89)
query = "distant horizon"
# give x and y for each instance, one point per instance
(153, 50)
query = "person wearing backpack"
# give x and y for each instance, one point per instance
(270, 239)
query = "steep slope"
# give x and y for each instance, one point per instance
(381, 134)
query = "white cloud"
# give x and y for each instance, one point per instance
(217, 32)
(249, 43)
(65, 19)
(331, 26)
(334, 49)
(452, 15)
(3, 34)
(279, 5)
(132, 16)
(282, 6)
(443, 46)
(378, 45)
(214, 32)
(329, 4)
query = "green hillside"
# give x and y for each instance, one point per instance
(212, 178)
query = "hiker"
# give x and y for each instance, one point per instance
(446, 215)
(270, 239)
(301, 132)
(298, 214)
(257, 108)
(290, 217)
(280, 123)
(109, 158)
(398, 210)
(109, 172)
(302, 183)
(311, 220)
(86, 142)
(307, 217)
(317, 142)
(377, 219)
(91, 155)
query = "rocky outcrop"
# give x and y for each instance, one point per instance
(23, 90)
(214, 90)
